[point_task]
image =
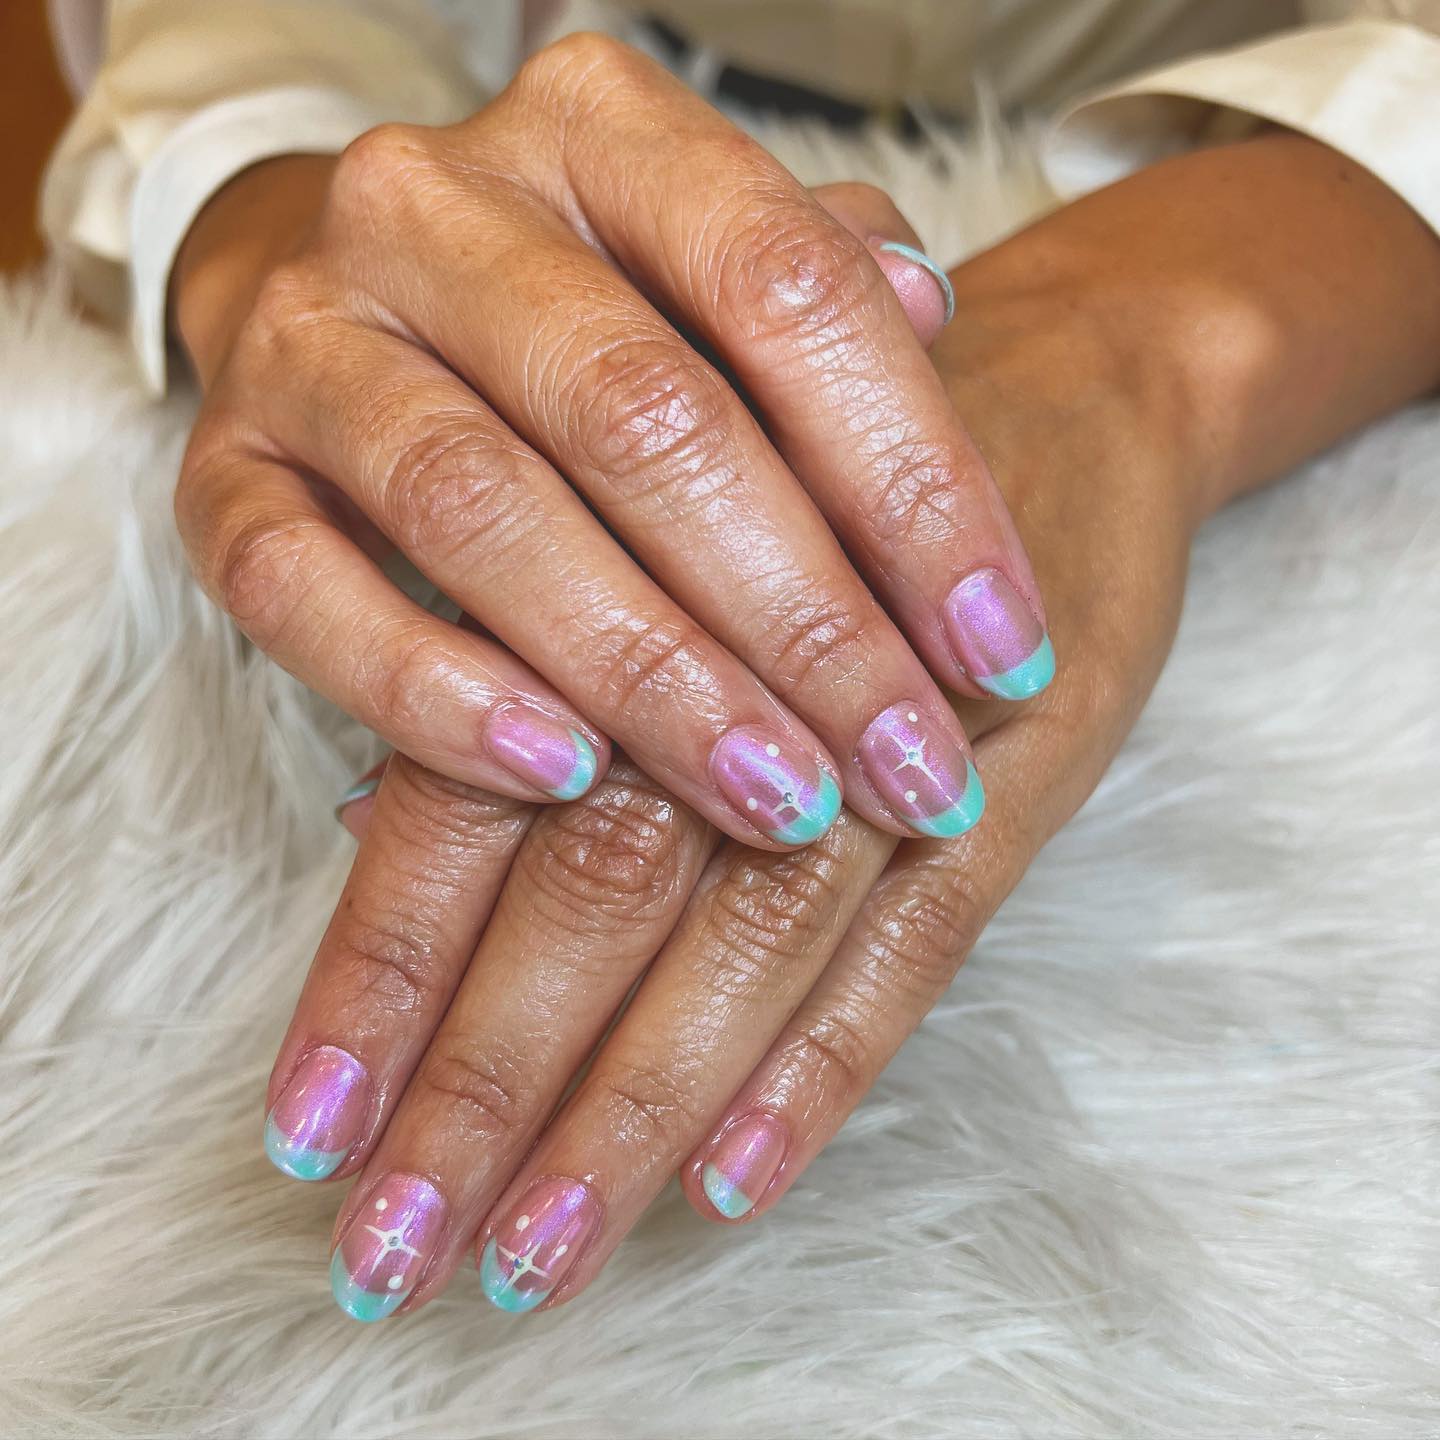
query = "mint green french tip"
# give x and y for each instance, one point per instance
(295, 1160)
(357, 1302)
(727, 1197)
(920, 258)
(358, 791)
(501, 1294)
(962, 816)
(811, 827)
(582, 777)
(1027, 678)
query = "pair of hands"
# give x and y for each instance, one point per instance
(483, 946)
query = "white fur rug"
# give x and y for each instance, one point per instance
(1166, 1162)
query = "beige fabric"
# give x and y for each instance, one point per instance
(192, 91)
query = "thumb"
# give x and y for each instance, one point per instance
(870, 215)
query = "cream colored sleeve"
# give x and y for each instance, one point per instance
(191, 92)
(1364, 79)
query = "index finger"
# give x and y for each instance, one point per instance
(804, 316)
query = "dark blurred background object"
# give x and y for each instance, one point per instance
(34, 104)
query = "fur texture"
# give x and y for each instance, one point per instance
(1164, 1163)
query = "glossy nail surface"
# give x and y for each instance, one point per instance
(384, 1250)
(539, 1241)
(743, 1162)
(538, 749)
(921, 772)
(353, 811)
(778, 787)
(934, 271)
(319, 1114)
(997, 638)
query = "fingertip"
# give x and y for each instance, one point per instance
(922, 286)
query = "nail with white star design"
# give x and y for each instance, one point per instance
(538, 1243)
(918, 763)
(386, 1246)
(782, 788)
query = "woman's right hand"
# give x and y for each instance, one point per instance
(465, 355)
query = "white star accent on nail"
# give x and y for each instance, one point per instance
(393, 1239)
(914, 755)
(523, 1264)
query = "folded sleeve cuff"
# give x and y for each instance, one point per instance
(1367, 88)
(198, 158)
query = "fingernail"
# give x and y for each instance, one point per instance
(936, 273)
(921, 773)
(354, 820)
(319, 1114)
(997, 638)
(539, 1241)
(384, 1249)
(743, 1162)
(541, 751)
(779, 788)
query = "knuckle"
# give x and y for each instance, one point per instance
(284, 314)
(483, 1086)
(262, 569)
(642, 660)
(575, 59)
(389, 964)
(406, 673)
(834, 1053)
(448, 489)
(614, 857)
(658, 419)
(916, 496)
(798, 276)
(774, 909)
(645, 1105)
(439, 817)
(916, 946)
(378, 167)
(817, 629)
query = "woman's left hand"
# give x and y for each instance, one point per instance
(782, 984)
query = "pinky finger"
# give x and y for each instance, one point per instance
(457, 702)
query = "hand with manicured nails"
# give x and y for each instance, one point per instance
(470, 354)
(482, 948)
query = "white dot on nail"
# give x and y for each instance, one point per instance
(560, 1250)
(909, 797)
(752, 803)
(912, 717)
(381, 1204)
(522, 1222)
(395, 1282)
(772, 750)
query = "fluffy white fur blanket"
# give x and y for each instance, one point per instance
(1166, 1162)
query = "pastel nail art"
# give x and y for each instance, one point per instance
(319, 1115)
(538, 1243)
(779, 788)
(360, 790)
(385, 1248)
(997, 638)
(921, 773)
(919, 257)
(743, 1162)
(541, 751)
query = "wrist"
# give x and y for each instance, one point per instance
(1245, 306)
(256, 221)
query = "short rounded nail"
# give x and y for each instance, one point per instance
(742, 1163)
(541, 751)
(386, 1246)
(781, 789)
(935, 273)
(921, 771)
(319, 1116)
(538, 1243)
(350, 812)
(997, 638)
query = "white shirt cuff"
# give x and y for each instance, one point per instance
(1367, 88)
(195, 160)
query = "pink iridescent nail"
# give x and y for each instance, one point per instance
(541, 751)
(385, 1248)
(778, 787)
(319, 1115)
(997, 638)
(535, 1246)
(743, 1162)
(921, 773)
